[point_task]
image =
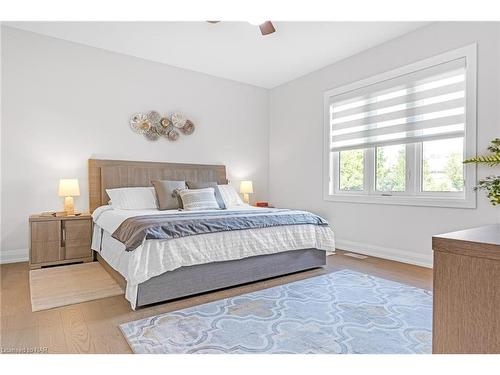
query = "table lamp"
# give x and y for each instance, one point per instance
(68, 188)
(246, 188)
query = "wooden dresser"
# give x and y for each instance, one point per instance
(60, 240)
(466, 313)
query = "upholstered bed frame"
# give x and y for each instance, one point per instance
(184, 281)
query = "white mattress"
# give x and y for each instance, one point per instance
(154, 257)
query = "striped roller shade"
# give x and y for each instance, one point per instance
(423, 105)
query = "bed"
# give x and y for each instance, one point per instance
(159, 270)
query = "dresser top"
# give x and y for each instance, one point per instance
(489, 234)
(483, 242)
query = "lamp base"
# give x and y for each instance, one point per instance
(246, 198)
(69, 207)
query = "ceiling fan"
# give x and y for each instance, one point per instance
(266, 27)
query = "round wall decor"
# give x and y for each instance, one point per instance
(154, 126)
(140, 123)
(178, 119)
(154, 117)
(188, 128)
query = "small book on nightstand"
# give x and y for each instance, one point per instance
(263, 204)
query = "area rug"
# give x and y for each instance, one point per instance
(67, 285)
(341, 312)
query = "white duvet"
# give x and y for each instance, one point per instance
(154, 257)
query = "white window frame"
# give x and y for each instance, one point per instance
(412, 196)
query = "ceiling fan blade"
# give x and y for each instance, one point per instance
(213, 21)
(267, 28)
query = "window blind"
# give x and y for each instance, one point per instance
(422, 105)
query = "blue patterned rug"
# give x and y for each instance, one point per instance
(341, 312)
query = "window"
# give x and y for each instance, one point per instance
(351, 170)
(442, 168)
(400, 137)
(390, 168)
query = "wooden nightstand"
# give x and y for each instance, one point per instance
(60, 240)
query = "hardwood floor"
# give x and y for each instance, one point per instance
(92, 327)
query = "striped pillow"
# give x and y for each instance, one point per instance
(230, 196)
(198, 199)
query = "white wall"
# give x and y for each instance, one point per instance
(296, 144)
(64, 103)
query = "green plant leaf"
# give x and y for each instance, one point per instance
(492, 160)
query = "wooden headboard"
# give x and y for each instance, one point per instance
(108, 174)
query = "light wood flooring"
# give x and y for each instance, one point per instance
(92, 327)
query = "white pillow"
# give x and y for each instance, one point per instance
(198, 199)
(230, 197)
(133, 198)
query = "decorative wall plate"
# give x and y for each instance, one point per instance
(140, 123)
(178, 120)
(188, 128)
(165, 122)
(154, 117)
(173, 135)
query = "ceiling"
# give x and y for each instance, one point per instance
(232, 50)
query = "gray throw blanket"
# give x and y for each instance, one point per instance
(176, 225)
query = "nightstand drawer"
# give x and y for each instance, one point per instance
(77, 249)
(46, 231)
(43, 252)
(77, 229)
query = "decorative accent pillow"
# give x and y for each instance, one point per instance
(133, 198)
(203, 185)
(198, 199)
(230, 197)
(168, 199)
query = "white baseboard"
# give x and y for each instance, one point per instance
(21, 255)
(14, 256)
(385, 253)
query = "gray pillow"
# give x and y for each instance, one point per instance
(203, 185)
(168, 199)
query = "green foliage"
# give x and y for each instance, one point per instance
(429, 183)
(351, 170)
(492, 159)
(391, 177)
(453, 175)
(491, 183)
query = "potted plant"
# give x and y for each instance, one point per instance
(491, 183)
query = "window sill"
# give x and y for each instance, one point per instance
(426, 201)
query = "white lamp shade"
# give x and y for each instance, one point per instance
(246, 187)
(69, 187)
